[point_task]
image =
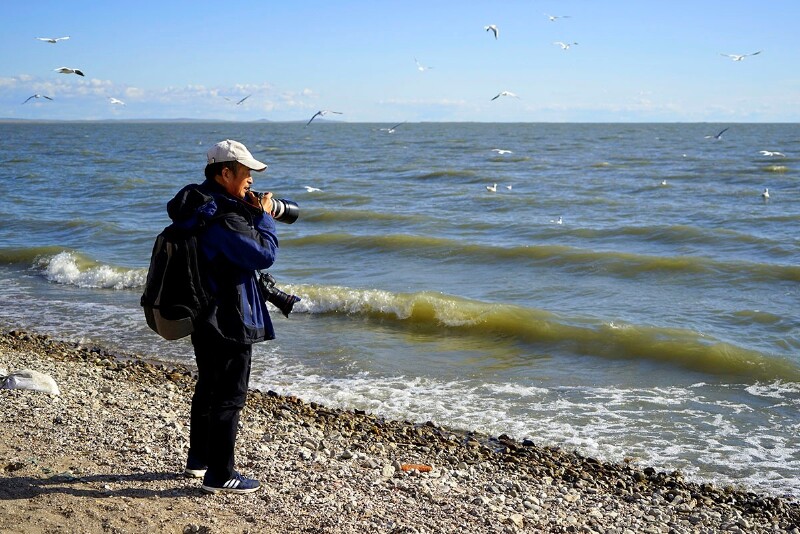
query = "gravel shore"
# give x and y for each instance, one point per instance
(107, 455)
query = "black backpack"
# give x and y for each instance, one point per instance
(175, 295)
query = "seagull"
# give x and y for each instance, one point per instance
(391, 130)
(560, 220)
(508, 187)
(554, 17)
(719, 135)
(504, 93)
(501, 151)
(321, 113)
(564, 46)
(663, 182)
(53, 40)
(492, 188)
(739, 57)
(772, 153)
(765, 194)
(117, 101)
(67, 70)
(493, 29)
(421, 67)
(37, 95)
(312, 189)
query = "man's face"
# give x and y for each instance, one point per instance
(236, 183)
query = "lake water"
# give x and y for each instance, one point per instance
(626, 291)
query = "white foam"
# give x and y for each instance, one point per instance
(63, 269)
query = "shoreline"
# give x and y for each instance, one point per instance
(107, 455)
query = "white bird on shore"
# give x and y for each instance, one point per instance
(772, 153)
(37, 95)
(53, 40)
(312, 189)
(765, 194)
(322, 113)
(739, 57)
(492, 188)
(504, 93)
(68, 70)
(116, 101)
(492, 28)
(554, 17)
(564, 46)
(719, 135)
(501, 151)
(421, 67)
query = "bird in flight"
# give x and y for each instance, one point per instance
(492, 28)
(772, 153)
(53, 40)
(37, 95)
(421, 67)
(504, 93)
(116, 101)
(719, 135)
(312, 189)
(67, 70)
(501, 151)
(391, 130)
(554, 17)
(739, 57)
(240, 101)
(321, 113)
(564, 46)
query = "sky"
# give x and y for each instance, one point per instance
(634, 61)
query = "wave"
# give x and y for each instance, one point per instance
(72, 268)
(566, 257)
(536, 328)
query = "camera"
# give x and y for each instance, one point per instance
(280, 299)
(283, 210)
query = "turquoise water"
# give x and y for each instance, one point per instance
(657, 321)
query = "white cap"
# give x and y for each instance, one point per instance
(229, 150)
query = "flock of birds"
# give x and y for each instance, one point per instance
(66, 70)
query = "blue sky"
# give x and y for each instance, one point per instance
(651, 61)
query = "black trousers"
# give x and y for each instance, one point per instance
(223, 369)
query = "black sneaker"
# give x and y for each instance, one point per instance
(235, 484)
(194, 469)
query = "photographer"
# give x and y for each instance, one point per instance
(238, 238)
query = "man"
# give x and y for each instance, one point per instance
(237, 238)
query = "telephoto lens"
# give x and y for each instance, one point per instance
(284, 210)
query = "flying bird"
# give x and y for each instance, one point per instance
(739, 57)
(719, 135)
(492, 28)
(504, 93)
(53, 40)
(391, 130)
(772, 153)
(67, 70)
(37, 96)
(312, 189)
(116, 101)
(554, 17)
(501, 151)
(321, 113)
(564, 46)
(421, 67)
(240, 101)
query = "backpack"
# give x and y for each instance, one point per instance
(175, 295)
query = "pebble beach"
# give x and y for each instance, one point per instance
(107, 455)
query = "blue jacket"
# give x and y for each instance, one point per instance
(236, 240)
